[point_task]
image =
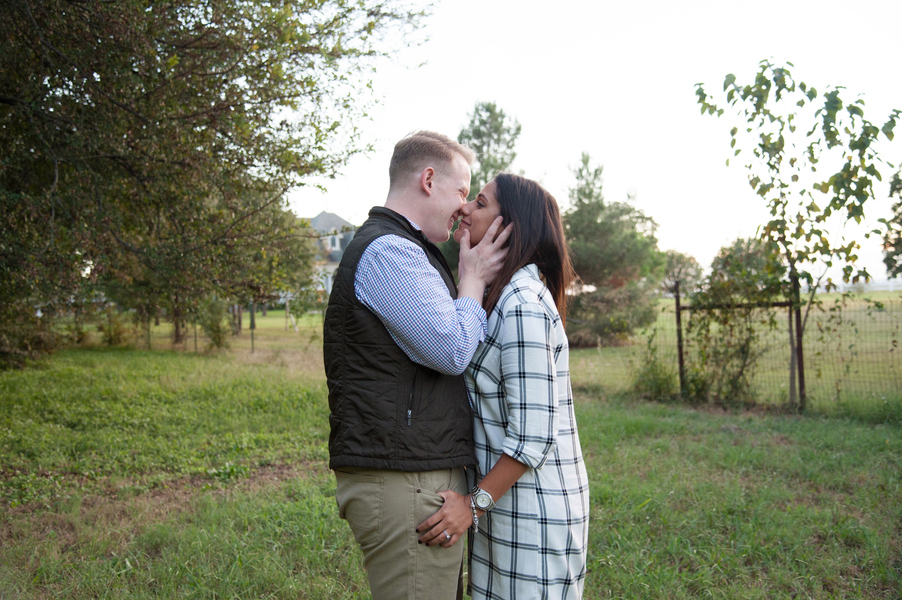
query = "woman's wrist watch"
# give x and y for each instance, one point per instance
(482, 499)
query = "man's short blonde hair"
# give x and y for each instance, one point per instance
(418, 149)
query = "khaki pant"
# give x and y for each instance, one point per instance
(383, 509)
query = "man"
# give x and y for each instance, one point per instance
(398, 334)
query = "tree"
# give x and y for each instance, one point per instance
(793, 133)
(731, 313)
(492, 135)
(148, 139)
(612, 243)
(615, 254)
(747, 271)
(892, 238)
(683, 269)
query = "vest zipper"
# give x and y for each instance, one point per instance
(410, 401)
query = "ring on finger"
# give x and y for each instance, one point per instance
(447, 535)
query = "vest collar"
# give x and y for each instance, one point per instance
(407, 224)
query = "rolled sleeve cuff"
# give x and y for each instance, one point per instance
(526, 454)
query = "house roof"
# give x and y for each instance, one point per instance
(325, 222)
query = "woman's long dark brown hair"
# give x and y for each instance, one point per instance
(537, 237)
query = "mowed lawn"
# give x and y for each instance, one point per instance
(134, 474)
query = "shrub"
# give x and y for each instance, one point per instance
(213, 317)
(653, 379)
(24, 336)
(112, 328)
(726, 342)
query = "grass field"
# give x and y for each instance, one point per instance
(128, 473)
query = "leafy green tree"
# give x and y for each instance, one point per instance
(612, 243)
(615, 254)
(814, 160)
(492, 134)
(892, 238)
(747, 271)
(794, 135)
(682, 268)
(157, 142)
(745, 275)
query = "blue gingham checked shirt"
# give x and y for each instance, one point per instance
(533, 544)
(395, 280)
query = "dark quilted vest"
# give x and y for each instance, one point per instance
(387, 412)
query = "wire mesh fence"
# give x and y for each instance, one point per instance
(851, 350)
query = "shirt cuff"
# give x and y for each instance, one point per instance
(468, 306)
(523, 453)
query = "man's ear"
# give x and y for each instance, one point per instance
(427, 180)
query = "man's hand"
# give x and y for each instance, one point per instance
(481, 264)
(449, 523)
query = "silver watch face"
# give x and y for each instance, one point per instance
(483, 501)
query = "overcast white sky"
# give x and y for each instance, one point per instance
(617, 80)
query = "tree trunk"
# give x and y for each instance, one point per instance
(177, 334)
(263, 309)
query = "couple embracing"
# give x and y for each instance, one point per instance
(422, 455)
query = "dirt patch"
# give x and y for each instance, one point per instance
(304, 361)
(126, 517)
(781, 440)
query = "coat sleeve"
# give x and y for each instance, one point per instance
(530, 384)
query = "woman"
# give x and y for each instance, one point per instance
(531, 497)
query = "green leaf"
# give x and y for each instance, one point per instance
(728, 81)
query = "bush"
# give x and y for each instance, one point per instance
(112, 328)
(213, 317)
(653, 379)
(24, 336)
(726, 342)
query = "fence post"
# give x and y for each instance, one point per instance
(793, 396)
(797, 300)
(682, 368)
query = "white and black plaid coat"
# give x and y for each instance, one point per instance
(533, 543)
